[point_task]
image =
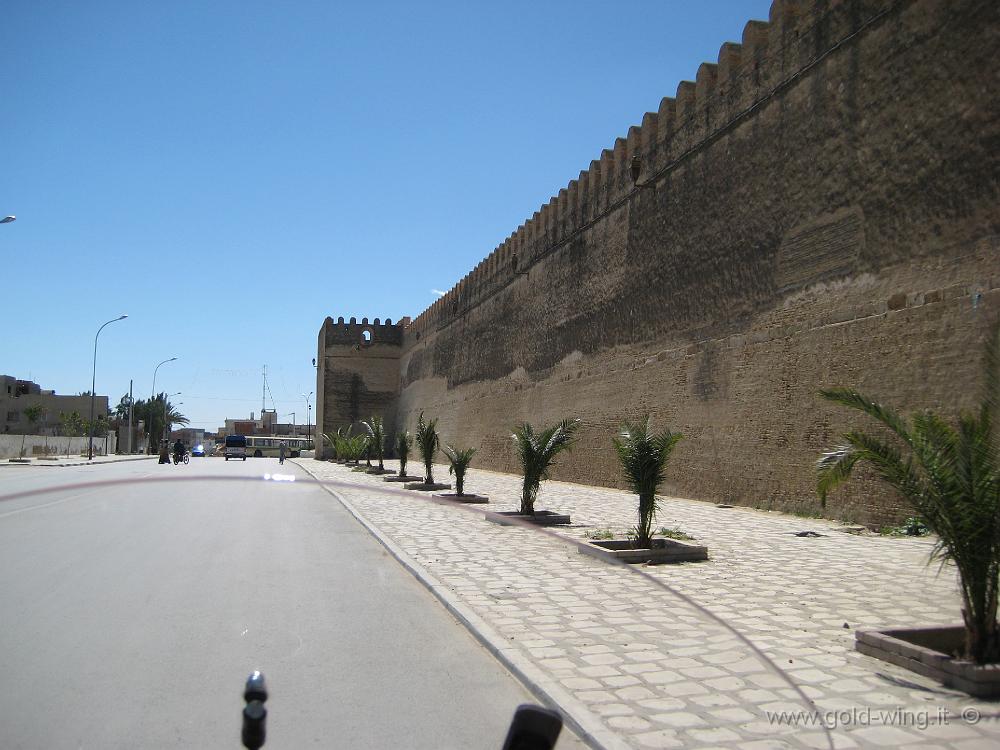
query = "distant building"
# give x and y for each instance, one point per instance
(17, 395)
(192, 436)
(267, 424)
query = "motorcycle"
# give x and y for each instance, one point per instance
(186, 458)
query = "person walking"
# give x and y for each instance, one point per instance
(281, 452)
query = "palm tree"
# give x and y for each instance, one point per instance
(427, 443)
(951, 479)
(644, 458)
(459, 460)
(174, 417)
(536, 452)
(404, 442)
(351, 447)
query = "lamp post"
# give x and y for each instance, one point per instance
(93, 382)
(308, 396)
(152, 395)
(166, 427)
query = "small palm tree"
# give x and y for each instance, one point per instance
(427, 443)
(376, 438)
(459, 460)
(404, 442)
(357, 447)
(951, 479)
(644, 456)
(536, 452)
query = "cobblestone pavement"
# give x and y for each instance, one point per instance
(651, 672)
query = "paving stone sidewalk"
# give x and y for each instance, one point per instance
(644, 668)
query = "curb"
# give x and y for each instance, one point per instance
(543, 687)
(81, 462)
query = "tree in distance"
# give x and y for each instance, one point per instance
(404, 442)
(376, 439)
(427, 443)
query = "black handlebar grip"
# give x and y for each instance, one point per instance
(254, 714)
(254, 725)
(533, 728)
(256, 689)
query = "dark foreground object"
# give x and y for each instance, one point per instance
(540, 518)
(533, 727)
(254, 714)
(662, 551)
(928, 651)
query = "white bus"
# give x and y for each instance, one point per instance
(260, 446)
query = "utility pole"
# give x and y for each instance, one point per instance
(129, 443)
(263, 392)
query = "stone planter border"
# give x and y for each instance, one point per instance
(377, 472)
(422, 487)
(541, 518)
(662, 551)
(927, 651)
(403, 478)
(466, 498)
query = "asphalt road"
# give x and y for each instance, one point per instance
(130, 616)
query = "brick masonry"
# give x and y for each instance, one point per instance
(817, 208)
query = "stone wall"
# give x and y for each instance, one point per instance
(11, 446)
(818, 208)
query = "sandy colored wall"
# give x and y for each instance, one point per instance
(818, 208)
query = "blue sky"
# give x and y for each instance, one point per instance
(230, 173)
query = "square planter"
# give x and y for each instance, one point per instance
(401, 478)
(424, 487)
(540, 518)
(662, 551)
(928, 651)
(466, 498)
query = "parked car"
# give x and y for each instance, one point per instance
(198, 450)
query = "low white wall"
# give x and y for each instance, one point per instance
(41, 445)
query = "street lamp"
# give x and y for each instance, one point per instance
(308, 415)
(152, 395)
(166, 429)
(93, 381)
(8, 219)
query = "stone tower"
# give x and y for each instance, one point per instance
(357, 374)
